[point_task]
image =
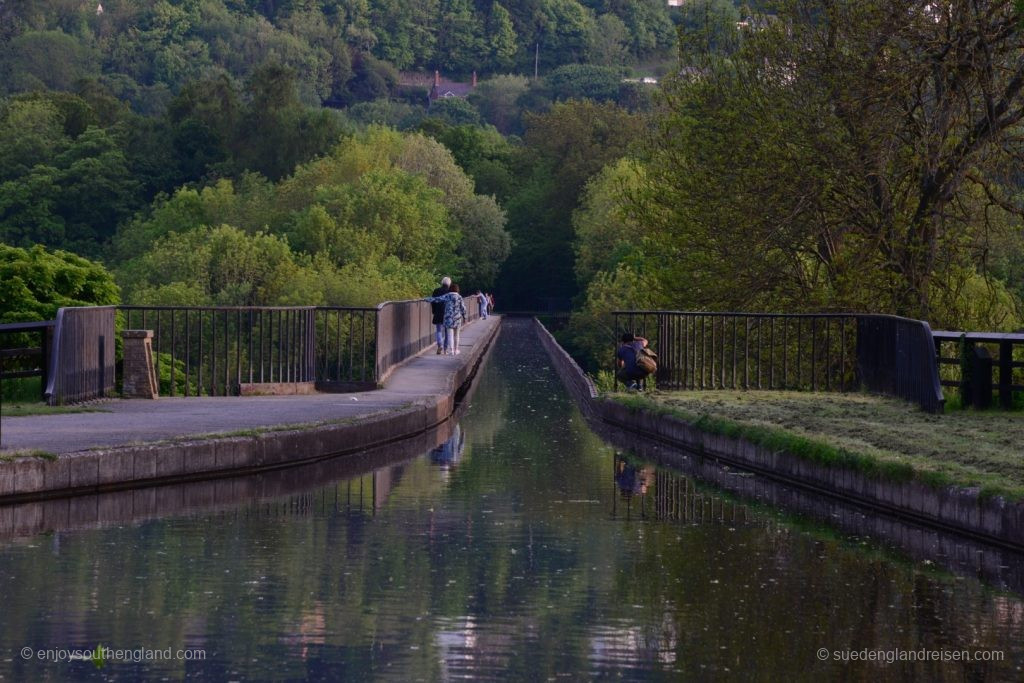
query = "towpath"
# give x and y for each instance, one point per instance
(124, 422)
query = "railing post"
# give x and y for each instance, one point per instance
(1005, 374)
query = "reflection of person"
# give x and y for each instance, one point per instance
(437, 315)
(628, 372)
(449, 453)
(632, 479)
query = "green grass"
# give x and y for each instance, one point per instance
(11, 456)
(39, 408)
(880, 437)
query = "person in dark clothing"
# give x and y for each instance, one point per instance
(628, 373)
(437, 315)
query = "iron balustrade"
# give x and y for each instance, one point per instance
(1004, 364)
(214, 351)
(346, 348)
(799, 352)
(218, 350)
(19, 361)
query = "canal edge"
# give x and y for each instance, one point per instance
(963, 510)
(30, 478)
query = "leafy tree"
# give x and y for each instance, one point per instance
(35, 282)
(884, 136)
(571, 143)
(609, 44)
(608, 232)
(485, 244)
(585, 81)
(459, 39)
(44, 60)
(501, 37)
(497, 101)
(454, 111)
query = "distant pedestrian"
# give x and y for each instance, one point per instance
(455, 314)
(490, 303)
(483, 303)
(437, 315)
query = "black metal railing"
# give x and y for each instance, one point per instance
(214, 351)
(17, 360)
(221, 351)
(346, 348)
(968, 361)
(799, 352)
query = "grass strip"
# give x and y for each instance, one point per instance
(820, 451)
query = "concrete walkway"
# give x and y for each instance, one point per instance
(124, 422)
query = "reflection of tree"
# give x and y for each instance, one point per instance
(515, 569)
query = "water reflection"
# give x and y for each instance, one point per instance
(447, 455)
(519, 546)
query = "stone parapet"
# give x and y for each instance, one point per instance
(139, 375)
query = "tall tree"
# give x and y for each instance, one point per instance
(852, 154)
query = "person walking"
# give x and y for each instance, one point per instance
(455, 314)
(482, 302)
(437, 315)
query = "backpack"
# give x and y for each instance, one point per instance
(647, 360)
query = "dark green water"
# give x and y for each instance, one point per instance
(523, 550)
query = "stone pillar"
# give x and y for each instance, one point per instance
(139, 377)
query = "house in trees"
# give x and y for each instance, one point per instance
(443, 88)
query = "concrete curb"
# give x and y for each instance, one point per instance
(122, 467)
(963, 510)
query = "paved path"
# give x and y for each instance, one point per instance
(139, 421)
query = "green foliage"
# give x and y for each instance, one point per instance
(377, 218)
(497, 100)
(454, 111)
(851, 195)
(35, 282)
(585, 81)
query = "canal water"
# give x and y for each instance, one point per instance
(523, 547)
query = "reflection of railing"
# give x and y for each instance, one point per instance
(669, 496)
(816, 352)
(16, 359)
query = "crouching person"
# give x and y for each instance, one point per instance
(635, 362)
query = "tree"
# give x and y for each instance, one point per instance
(485, 244)
(568, 145)
(884, 136)
(454, 111)
(45, 60)
(459, 39)
(609, 44)
(35, 282)
(501, 36)
(585, 81)
(497, 101)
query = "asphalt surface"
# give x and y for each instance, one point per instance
(127, 421)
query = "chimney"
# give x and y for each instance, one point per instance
(437, 79)
(474, 79)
